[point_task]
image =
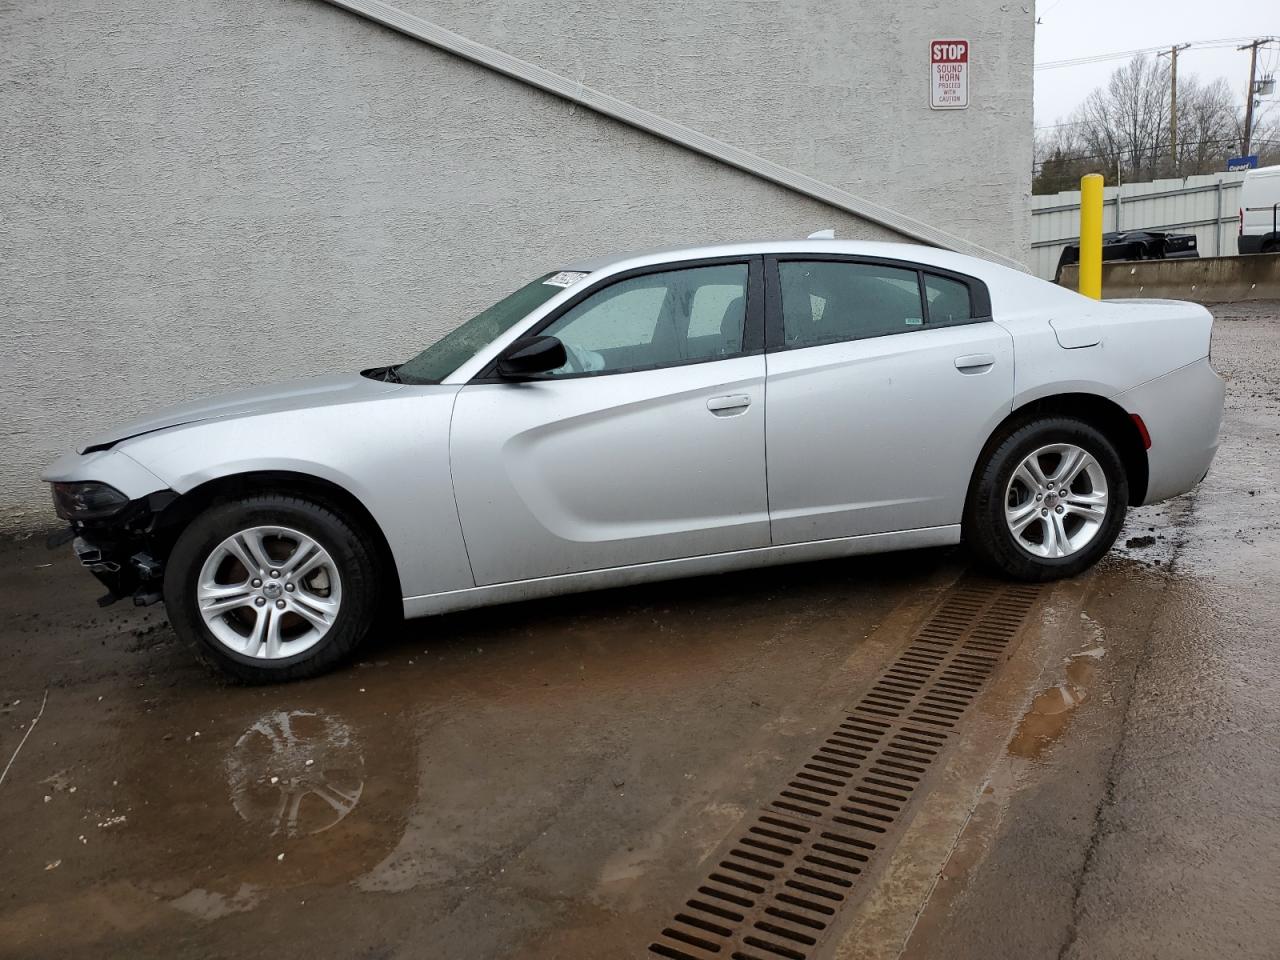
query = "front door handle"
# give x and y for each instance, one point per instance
(975, 362)
(730, 406)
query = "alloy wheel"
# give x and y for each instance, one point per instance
(1056, 501)
(269, 592)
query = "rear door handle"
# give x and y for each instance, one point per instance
(729, 406)
(975, 362)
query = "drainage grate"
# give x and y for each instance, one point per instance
(776, 889)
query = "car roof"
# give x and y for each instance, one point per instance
(911, 252)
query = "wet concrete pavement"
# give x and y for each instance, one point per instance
(529, 780)
(550, 780)
(1145, 822)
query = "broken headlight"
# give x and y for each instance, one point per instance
(88, 500)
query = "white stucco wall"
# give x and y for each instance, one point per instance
(837, 90)
(205, 195)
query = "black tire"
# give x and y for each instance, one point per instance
(986, 529)
(338, 536)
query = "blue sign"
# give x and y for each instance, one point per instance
(1243, 163)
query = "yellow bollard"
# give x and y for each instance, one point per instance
(1091, 235)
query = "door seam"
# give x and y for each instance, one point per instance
(453, 486)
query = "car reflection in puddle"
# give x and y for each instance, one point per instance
(296, 773)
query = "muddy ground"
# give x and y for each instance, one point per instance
(553, 779)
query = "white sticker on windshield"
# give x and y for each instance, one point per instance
(565, 278)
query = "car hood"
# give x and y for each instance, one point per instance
(290, 395)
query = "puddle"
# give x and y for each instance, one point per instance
(296, 772)
(211, 905)
(1052, 710)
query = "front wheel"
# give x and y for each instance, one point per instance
(1048, 501)
(271, 588)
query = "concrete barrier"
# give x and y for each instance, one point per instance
(1206, 280)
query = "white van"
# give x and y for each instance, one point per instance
(1260, 211)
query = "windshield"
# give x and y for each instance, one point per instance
(454, 349)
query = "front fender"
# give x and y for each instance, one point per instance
(390, 453)
(111, 467)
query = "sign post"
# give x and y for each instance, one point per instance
(949, 74)
(1243, 163)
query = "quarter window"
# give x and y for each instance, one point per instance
(949, 300)
(656, 320)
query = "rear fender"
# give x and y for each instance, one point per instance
(1183, 414)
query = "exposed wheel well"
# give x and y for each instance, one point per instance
(323, 492)
(1100, 413)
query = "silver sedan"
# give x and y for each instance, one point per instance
(635, 418)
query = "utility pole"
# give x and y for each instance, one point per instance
(1173, 104)
(1253, 83)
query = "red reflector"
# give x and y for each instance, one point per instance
(1142, 431)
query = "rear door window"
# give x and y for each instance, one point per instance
(834, 301)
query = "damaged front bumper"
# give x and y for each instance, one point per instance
(125, 551)
(121, 520)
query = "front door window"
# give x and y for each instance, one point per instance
(655, 320)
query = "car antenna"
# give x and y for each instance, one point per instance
(822, 235)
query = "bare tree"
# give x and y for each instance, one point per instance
(1266, 140)
(1059, 160)
(1122, 130)
(1266, 133)
(1206, 126)
(1125, 124)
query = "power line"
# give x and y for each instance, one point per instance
(1124, 153)
(1126, 54)
(1063, 123)
(1260, 44)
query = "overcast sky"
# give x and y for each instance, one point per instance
(1081, 28)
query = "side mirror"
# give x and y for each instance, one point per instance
(530, 355)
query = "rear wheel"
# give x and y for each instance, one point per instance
(271, 588)
(1048, 502)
